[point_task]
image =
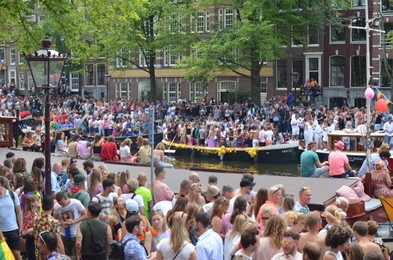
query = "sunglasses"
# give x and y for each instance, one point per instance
(40, 236)
(265, 218)
(286, 243)
(304, 189)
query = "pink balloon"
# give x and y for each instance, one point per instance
(369, 93)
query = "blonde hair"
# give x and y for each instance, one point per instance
(275, 229)
(127, 142)
(124, 177)
(334, 211)
(238, 225)
(29, 200)
(132, 185)
(164, 224)
(179, 233)
(95, 179)
(383, 147)
(160, 146)
(294, 217)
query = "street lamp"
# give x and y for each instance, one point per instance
(46, 66)
(295, 79)
(374, 22)
(348, 92)
(107, 79)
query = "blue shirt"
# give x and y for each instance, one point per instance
(210, 246)
(7, 212)
(133, 250)
(300, 208)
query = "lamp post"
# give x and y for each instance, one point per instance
(348, 100)
(46, 66)
(374, 23)
(107, 79)
(295, 79)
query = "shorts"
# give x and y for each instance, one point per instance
(201, 141)
(295, 131)
(12, 239)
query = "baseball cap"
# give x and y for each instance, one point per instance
(9, 155)
(246, 183)
(132, 206)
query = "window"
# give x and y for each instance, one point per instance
(171, 56)
(89, 76)
(225, 18)
(313, 69)
(123, 58)
(171, 91)
(21, 58)
(337, 65)
(144, 59)
(337, 33)
(74, 81)
(388, 27)
(224, 88)
(12, 57)
(143, 90)
(230, 56)
(21, 81)
(358, 3)
(101, 74)
(282, 72)
(2, 54)
(358, 71)
(175, 23)
(197, 91)
(296, 36)
(29, 81)
(386, 6)
(358, 34)
(12, 75)
(312, 35)
(123, 90)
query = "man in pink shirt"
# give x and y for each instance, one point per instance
(273, 199)
(339, 164)
(161, 191)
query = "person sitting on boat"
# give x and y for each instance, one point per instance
(380, 180)
(109, 150)
(310, 166)
(125, 152)
(388, 128)
(159, 156)
(145, 152)
(28, 143)
(61, 144)
(383, 154)
(339, 164)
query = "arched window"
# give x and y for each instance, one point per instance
(358, 71)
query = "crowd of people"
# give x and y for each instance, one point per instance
(90, 208)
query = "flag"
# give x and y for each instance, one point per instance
(380, 95)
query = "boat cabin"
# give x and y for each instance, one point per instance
(6, 131)
(354, 141)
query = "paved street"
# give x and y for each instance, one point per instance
(323, 189)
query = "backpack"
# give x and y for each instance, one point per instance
(116, 251)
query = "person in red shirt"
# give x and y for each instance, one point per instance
(109, 150)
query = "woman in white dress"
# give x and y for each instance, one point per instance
(308, 132)
(177, 246)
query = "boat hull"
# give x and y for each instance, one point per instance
(285, 153)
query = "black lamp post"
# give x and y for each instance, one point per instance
(107, 79)
(348, 100)
(46, 66)
(295, 79)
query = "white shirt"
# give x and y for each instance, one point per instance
(72, 211)
(388, 127)
(167, 252)
(281, 256)
(138, 198)
(210, 246)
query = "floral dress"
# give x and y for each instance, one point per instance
(379, 185)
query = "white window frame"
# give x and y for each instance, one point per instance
(21, 77)
(86, 74)
(21, 58)
(30, 81)
(2, 57)
(330, 67)
(330, 37)
(120, 63)
(196, 91)
(351, 32)
(123, 90)
(143, 86)
(103, 83)
(74, 81)
(12, 56)
(169, 58)
(350, 70)
(12, 76)
(171, 91)
(226, 86)
(313, 55)
(226, 18)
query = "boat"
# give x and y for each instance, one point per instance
(353, 149)
(277, 153)
(134, 146)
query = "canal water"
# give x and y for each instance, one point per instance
(214, 163)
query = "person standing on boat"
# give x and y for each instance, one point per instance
(339, 164)
(310, 166)
(388, 128)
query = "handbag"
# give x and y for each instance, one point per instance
(97, 244)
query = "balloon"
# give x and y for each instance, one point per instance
(369, 93)
(381, 105)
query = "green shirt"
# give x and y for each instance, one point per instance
(147, 197)
(307, 163)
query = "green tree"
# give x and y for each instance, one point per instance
(259, 32)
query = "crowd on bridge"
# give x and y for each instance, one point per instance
(89, 209)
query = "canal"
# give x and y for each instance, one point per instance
(214, 163)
